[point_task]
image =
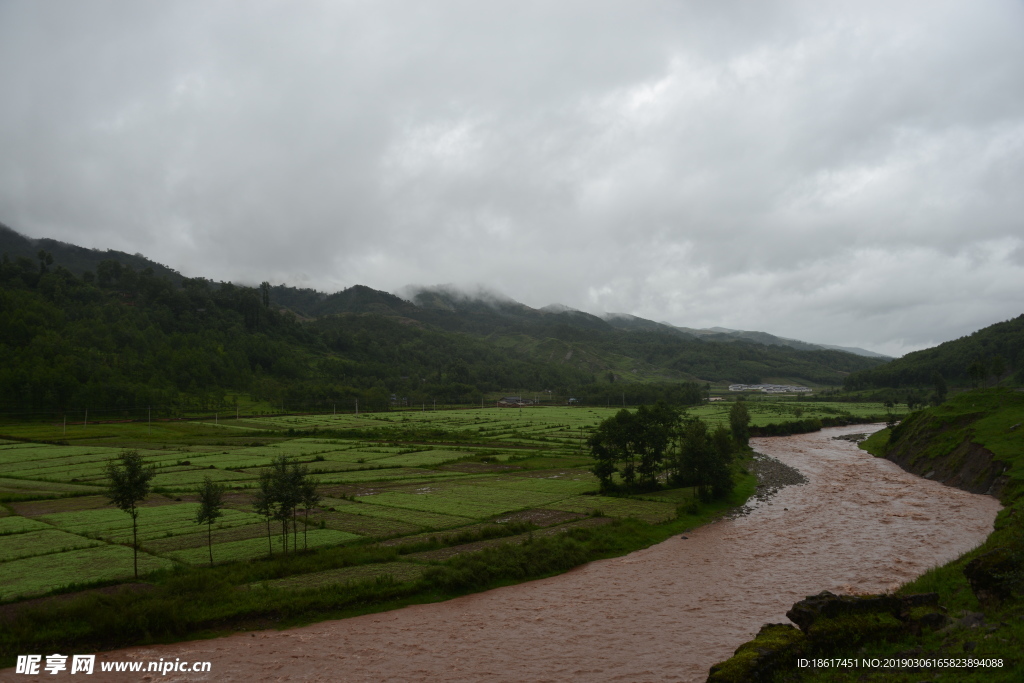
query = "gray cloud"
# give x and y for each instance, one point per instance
(845, 173)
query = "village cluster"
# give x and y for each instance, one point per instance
(771, 388)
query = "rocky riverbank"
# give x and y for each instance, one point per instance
(772, 476)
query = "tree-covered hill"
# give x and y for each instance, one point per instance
(623, 346)
(990, 355)
(113, 335)
(76, 259)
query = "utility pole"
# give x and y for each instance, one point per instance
(357, 406)
(149, 418)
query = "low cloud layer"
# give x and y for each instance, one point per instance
(844, 173)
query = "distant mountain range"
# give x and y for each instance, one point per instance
(556, 339)
(439, 299)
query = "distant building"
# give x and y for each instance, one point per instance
(771, 388)
(514, 402)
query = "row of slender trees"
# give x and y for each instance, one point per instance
(284, 487)
(657, 446)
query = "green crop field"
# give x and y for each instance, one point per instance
(399, 571)
(34, 575)
(429, 471)
(258, 547)
(44, 542)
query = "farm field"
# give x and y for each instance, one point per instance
(383, 477)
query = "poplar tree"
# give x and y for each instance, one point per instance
(128, 485)
(211, 499)
(263, 503)
(739, 419)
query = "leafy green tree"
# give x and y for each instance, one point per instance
(263, 503)
(285, 494)
(739, 421)
(654, 428)
(976, 371)
(211, 499)
(703, 461)
(940, 389)
(997, 368)
(310, 491)
(610, 444)
(128, 485)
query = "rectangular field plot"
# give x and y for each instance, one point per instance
(37, 508)
(465, 501)
(374, 527)
(356, 455)
(674, 496)
(257, 547)
(389, 474)
(154, 522)
(19, 525)
(423, 458)
(420, 518)
(27, 488)
(399, 571)
(644, 510)
(566, 487)
(198, 537)
(35, 575)
(194, 477)
(32, 543)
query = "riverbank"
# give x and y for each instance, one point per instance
(663, 613)
(972, 442)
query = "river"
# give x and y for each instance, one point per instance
(667, 613)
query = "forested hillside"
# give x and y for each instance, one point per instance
(632, 349)
(113, 336)
(123, 339)
(990, 355)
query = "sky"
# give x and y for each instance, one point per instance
(845, 173)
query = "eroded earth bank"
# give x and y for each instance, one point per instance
(859, 524)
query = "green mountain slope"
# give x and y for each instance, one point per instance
(992, 354)
(117, 337)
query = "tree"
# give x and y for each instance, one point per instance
(263, 503)
(703, 460)
(128, 485)
(653, 430)
(940, 389)
(997, 367)
(211, 499)
(310, 499)
(610, 444)
(739, 419)
(284, 493)
(976, 371)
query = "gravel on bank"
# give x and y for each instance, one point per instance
(772, 476)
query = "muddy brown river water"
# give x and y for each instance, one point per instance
(666, 613)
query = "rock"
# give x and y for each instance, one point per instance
(775, 647)
(991, 575)
(826, 605)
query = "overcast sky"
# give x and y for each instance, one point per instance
(841, 172)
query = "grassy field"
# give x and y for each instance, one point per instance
(406, 496)
(383, 476)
